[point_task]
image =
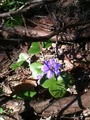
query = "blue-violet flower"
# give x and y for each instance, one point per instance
(51, 68)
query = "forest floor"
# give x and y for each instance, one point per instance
(21, 109)
(72, 51)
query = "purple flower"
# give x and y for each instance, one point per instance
(51, 68)
(39, 78)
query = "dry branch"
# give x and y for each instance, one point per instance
(24, 8)
(18, 34)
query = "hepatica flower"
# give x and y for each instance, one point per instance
(51, 68)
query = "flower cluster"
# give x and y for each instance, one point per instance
(51, 68)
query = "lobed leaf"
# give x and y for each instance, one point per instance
(36, 69)
(16, 65)
(35, 48)
(56, 86)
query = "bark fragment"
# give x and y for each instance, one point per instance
(66, 105)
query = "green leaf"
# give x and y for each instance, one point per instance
(17, 20)
(36, 69)
(34, 66)
(1, 110)
(47, 44)
(12, 21)
(35, 48)
(46, 83)
(68, 79)
(36, 73)
(29, 93)
(23, 57)
(25, 94)
(16, 65)
(56, 87)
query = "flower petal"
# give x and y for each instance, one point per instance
(39, 78)
(52, 62)
(49, 74)
(57, 66)
(57, 73)
(46, 62)
(44, 68)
